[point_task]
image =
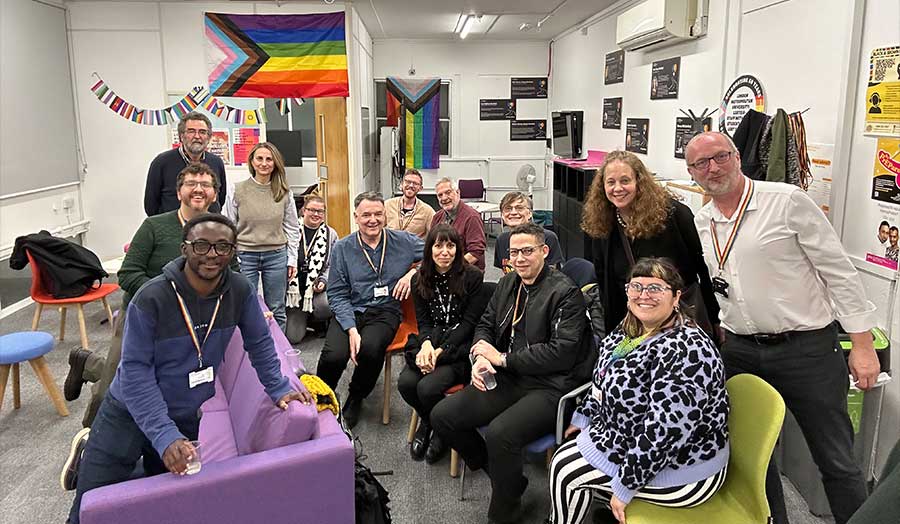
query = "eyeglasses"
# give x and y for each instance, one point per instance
(191, 184)
(202, 247)
(525, 251)
(315, 211)
(517, 209)
(635, 290)
(411, 183)
(201, 132)
(703, 163)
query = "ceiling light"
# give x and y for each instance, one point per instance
(460, 23)
(525, 26)
(467, 26)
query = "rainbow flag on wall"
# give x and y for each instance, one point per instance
(420, 125)
(277, 56)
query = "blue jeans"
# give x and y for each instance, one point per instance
(113, 448)
(272, 265)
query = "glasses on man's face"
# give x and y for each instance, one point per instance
(703, 163)
(635, 290)
(518, 209)
(191, 184)
(200, 132)
(313, 211)
(411, 183)
(524, 251)
(202, 247)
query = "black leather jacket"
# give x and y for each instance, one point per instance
(558, 352)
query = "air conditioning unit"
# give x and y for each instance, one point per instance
(655, 21)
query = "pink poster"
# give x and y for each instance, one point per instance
(244, 140)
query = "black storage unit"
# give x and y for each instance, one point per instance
(570, 188)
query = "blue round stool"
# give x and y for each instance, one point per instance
(30, 346)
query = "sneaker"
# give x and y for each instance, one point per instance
(68, 479)
(75, 379)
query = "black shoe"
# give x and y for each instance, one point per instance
(436, 449)
(68, 479)
(421, 441)
(351, 410)
(74, 380)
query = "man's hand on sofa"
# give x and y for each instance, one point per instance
(303, 396)
(177, 456)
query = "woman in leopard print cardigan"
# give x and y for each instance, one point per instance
(654, 426)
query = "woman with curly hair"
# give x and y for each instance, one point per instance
(631, 216)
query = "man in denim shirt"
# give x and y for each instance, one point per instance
(370, 275)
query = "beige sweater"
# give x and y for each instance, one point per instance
(262, 223)
(419, 223)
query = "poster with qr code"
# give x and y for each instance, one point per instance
(883, 93)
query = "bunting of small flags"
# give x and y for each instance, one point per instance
(198, 97)
(284, 104)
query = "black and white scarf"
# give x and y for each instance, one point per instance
(315, 253)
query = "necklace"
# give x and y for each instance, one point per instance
(620, 219)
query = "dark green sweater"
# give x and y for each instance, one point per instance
(156, 243)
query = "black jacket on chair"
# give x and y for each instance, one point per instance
(559, 351)
(67, 269)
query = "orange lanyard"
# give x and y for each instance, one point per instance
(189, 322)
(517, 319)
(722, 253)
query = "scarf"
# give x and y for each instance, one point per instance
(314, 256)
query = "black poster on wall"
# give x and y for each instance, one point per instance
(528, 87)
(614, 72)
(664, 79)
(497, 109)
(528, 130)
(612, 113)
(685, 129)
(637, 134)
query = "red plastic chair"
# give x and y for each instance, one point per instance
(408, 326)
(41, 297)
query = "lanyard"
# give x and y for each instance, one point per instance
(181, 218)
(409, 217)
(369, 259)
(444, 309)
(189, 322)
(307, 246)
(517, 319)
(187, 159)
(722, 253)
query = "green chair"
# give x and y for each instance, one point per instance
(757, 411)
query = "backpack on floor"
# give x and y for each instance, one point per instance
(371, 497)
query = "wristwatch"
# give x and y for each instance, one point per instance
(502, 360)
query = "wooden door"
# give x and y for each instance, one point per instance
(333, 161)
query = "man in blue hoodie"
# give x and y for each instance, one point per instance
(177, 329)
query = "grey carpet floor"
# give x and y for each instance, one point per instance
(34, 441)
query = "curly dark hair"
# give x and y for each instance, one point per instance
(650, 208)
(427, 271)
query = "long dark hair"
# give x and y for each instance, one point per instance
(427, 271)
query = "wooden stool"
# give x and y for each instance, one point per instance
(30, 346)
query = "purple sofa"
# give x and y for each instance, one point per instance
(260, 464)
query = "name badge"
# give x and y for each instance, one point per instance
(381, 291)
(201, 376)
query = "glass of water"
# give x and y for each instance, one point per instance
(293, 359)
(193, 465)
(490, 381)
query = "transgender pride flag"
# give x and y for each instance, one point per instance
(277, 56)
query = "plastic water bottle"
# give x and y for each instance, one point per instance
(490, 381)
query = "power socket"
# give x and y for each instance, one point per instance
(68, 203)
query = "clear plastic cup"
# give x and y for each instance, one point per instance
(490, 381)
(293, 359)
(194, 464)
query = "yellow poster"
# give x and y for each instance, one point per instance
(883, 93)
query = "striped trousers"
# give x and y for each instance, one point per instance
(574, 482)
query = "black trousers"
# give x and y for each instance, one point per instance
(810, 373)
(377, 327)
(423, 392)
(514, 417)
(115, 445)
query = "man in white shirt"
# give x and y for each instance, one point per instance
(782, 278)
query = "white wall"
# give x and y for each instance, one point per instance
(360, 51)
(477, 70)
(577, 84)
(143, 50)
